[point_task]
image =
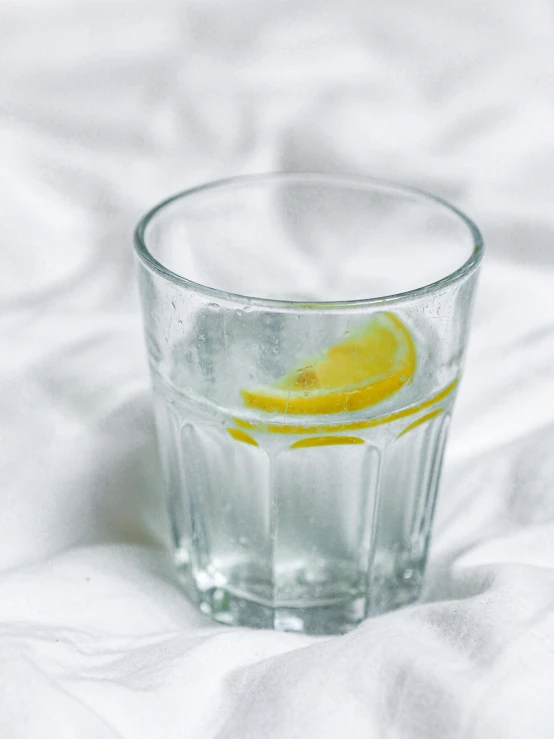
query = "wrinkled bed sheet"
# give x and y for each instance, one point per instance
(105, 108)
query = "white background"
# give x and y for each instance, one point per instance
(105, 108)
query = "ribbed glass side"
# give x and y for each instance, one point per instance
(301, 538)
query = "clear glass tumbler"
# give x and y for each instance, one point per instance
(306, 336)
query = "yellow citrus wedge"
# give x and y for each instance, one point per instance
(239, 435)
(421, 421)
(368, 366)
(326, 441)
(289, 428)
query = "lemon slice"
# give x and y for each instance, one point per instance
(367, 367)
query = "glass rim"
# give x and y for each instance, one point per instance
(467, 268)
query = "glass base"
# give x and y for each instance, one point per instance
(337, 618)
(227, 607)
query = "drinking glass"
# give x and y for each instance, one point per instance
(306, 335)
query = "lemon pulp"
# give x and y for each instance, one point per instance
(365, 368)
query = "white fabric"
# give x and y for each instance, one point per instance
(105, 108)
